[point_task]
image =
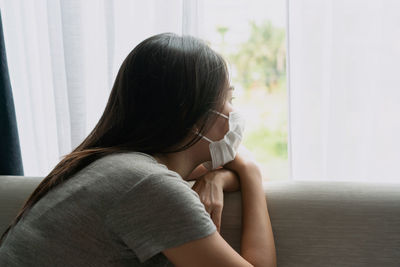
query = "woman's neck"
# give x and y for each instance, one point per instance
(180, 162)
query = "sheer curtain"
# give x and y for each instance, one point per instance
(63, 59)
(344, 89)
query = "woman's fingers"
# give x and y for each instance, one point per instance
(216, 216)
(205, 199)
(214, 203)
(203, 193)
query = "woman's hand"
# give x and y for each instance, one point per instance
(210, 187)
(211, 194)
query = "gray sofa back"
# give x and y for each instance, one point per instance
(315, 223)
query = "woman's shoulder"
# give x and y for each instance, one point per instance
(127, 169)
(136, 162)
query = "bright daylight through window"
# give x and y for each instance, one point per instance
(252, 37)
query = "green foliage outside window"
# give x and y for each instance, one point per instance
(260, 69)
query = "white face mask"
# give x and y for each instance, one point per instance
(224, 150)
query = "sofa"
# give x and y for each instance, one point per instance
(315, 223)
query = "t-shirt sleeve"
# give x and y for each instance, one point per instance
(159, 212)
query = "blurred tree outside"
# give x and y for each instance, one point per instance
(259, 76)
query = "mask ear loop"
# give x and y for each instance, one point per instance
(202, 136)
(205, 137)
(219, 113)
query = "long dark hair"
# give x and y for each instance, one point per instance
(166, 85)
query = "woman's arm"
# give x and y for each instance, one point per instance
(257, 243)
(228, 179)
(197, 173)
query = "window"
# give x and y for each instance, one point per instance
(251, 35)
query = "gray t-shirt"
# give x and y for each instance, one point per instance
(121, 210)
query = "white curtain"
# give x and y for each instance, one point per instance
(344, 92)
(63, 58)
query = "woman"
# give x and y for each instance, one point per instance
(121, 198)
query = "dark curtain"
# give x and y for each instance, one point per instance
(10, 152)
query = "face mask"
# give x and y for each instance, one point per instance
(224, 150)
